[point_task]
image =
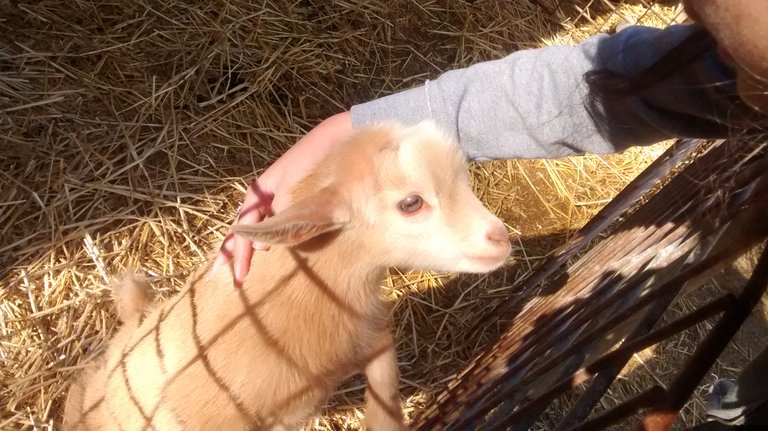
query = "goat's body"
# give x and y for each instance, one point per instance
(310, 312)
(267, 354)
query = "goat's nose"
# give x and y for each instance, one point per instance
(498, 236)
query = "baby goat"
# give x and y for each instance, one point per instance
(311, 310)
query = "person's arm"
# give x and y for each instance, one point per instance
(535, 103)
(530, 104)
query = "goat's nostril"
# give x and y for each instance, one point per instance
(498, 236)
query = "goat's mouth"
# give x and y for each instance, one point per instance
(488, 260)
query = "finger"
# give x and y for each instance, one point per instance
(243, 249)
(261, 246)
(242, 261)
(255, 208)
(226, 251)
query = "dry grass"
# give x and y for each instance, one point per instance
(128, 131)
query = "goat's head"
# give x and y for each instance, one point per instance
(404, 193)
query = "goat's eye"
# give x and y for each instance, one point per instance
(411, 204)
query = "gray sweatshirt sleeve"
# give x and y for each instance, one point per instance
(534, 103)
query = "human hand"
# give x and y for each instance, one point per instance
(270, 193)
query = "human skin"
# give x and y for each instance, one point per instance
(270, 192)
(739, 26)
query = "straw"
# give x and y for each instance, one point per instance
(129, 130)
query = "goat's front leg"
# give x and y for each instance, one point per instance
(382, 395)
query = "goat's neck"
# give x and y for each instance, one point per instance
(341, 270)
(320, 302)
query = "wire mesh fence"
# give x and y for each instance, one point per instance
(605, 306)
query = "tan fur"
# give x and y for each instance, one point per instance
(310, 312)
(132, 297)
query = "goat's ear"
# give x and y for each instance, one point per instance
(300, 222)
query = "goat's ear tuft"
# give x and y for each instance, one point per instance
(300, 222)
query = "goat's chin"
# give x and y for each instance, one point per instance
(470, 264)
(480, 264)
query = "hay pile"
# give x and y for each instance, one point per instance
(128, 131)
